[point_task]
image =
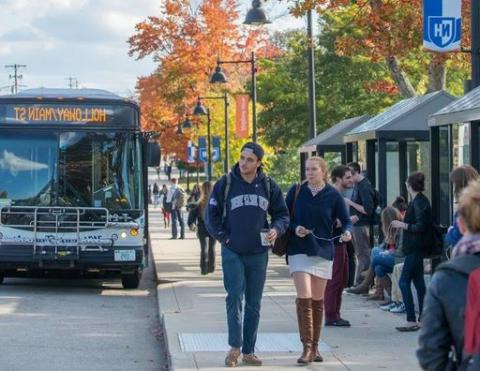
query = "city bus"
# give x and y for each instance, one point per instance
(73, 181)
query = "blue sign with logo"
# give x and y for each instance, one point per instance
(442, 25)
(190, 151)
(202, 149)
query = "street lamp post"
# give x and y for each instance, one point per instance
(200, 110)
(219, 77)
(224, 97)
(256, 16)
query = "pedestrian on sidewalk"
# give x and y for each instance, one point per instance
(155, 192)
(341, 177)
(362, 205)
(417, 229)
(237, 217)
(316, 210)
(166, 209)
(207, 241)
(443, 334)
(176, 200)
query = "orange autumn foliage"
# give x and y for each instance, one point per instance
(186, 43)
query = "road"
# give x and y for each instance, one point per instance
(79, 324)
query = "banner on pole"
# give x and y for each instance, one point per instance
(202, 149)
(190, 152)
(442, 25)
(216, 154)
(242, 102)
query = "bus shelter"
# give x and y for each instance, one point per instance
(330, 143)
(396, 142)
(455, 131)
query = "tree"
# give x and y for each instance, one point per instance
(390, 31)
(186, 42)
(346, 87)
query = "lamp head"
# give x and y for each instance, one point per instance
(256, 15)
(218, 76)
(200, 109)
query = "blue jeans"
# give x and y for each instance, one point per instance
(243, 275)
(177, 215)
(382, 262)
(412, 271)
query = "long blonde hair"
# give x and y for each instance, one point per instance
(205, 190)
(389, 214)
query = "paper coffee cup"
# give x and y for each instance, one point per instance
(264, 238)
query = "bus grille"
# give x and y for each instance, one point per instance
(54, 219)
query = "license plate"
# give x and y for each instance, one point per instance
(124, 255)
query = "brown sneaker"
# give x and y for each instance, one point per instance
(231, 359)
(251, 360)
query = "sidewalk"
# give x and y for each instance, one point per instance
(192, 308)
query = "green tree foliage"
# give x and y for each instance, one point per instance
(346, 86)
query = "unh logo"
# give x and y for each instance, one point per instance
(441, 30)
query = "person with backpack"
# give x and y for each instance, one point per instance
(237, 217)
(196, 217)
(316, 206)
(417, 229)
(450, 333)
(362, 208)
(176, 200)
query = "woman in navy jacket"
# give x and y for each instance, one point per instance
(316, 211)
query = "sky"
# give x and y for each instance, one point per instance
(86, 40)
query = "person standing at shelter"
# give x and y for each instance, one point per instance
(362, 207)
(316, 210)
(237, 217)
(417, 226)
(341, 177)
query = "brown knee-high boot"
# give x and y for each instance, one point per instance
(317, 308)
(305, 327)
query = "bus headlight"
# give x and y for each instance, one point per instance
(134, 232)
(123, 234)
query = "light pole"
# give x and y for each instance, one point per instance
(227, 147)
(219, 77)
(256, 16)
(200, 110)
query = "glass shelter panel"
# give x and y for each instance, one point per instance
(393, 172)
(445, 205)
(418, 159)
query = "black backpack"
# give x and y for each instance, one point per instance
(379, 204)
(436, 243)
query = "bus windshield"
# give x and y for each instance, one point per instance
(71, 169)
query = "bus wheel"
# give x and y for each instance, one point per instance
(131, 280)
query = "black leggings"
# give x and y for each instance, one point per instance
(207, 253)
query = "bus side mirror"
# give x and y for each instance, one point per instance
(153, 154)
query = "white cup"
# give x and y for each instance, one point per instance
(264, 237)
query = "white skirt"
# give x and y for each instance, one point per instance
(314, 265)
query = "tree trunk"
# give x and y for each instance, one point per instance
(400, 77)
(437, 75)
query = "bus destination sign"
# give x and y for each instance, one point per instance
(65, 114)
(77, 114)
